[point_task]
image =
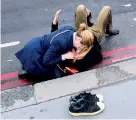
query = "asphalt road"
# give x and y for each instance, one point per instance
(24, 19)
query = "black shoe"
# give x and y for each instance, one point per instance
(84, 107)
(112, 32)
(90, 24)
(87, 96)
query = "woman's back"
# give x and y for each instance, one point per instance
(33, 56)
(61, 34)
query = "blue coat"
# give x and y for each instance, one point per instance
(40, 55)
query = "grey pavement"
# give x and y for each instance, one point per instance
(119, 100)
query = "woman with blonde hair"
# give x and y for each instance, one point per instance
(44, 57)
(90, 56)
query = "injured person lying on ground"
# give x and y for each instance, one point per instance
(54, 54)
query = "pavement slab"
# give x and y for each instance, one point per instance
(64, 86)
(17, 98)
(116, 72)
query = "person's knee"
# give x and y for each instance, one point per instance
(80, 7)
(107, 8)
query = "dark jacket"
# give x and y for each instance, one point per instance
(40, 55)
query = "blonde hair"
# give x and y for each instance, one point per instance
(87, 40)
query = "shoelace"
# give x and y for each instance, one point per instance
(89, 97)
(80, 94)
(84, 95)
(82, 103)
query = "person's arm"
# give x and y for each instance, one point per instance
(53, 55)
(54, 25)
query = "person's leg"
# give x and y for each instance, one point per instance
(104, 21)
(82, 15)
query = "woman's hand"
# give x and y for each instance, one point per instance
(56, 18)
(68, 55)
(75, 53)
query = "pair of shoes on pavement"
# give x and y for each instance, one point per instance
(86, 104)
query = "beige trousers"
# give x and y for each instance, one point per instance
(103, 23)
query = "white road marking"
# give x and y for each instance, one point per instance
(127, 5)
(134, 19)
(9, 60)
(9, 44)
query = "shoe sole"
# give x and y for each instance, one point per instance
(101, 105)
